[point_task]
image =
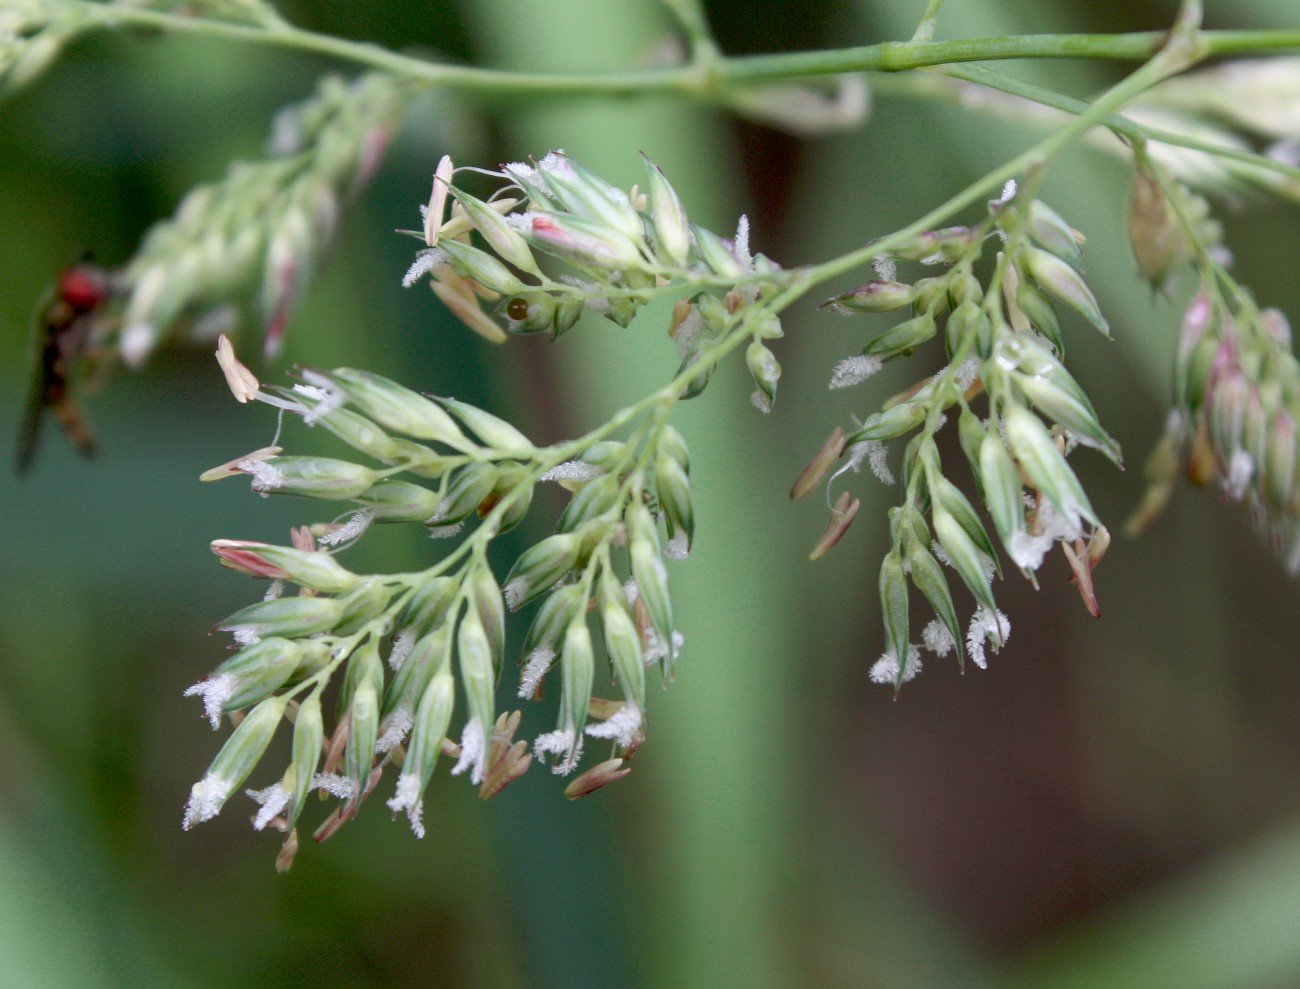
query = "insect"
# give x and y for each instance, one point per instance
(62, 332)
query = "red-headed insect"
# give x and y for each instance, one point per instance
(64, 324)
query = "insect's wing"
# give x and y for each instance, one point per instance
(34, 409)
(33, 412)
(60, 331)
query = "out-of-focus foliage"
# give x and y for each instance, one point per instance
(1113, 802)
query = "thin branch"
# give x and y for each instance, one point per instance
(929, 21)
(707, 75)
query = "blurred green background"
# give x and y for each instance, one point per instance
(1113, 803)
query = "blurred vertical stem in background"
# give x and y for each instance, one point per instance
(710, 906)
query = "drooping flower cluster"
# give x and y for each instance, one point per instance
(398, 646)
(619, 249)
(267, 223)
(1236, 378)
(1237, 389)
(1003, 341)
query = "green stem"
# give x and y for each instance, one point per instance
(899, 56)
(708, 73)
(365, 53)
(902, 56)
(1241, 42)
